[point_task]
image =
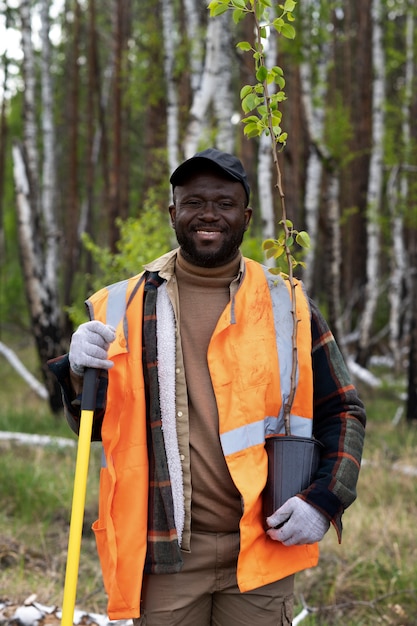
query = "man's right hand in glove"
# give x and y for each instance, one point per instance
(89, 346)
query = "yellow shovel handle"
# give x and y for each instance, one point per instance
(78, 499)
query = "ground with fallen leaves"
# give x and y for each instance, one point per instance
(32, 613)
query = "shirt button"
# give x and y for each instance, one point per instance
(177, 371)
(182, 457)
(179, 414)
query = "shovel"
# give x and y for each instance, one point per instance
(78, 499)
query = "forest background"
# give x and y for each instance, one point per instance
(99, 102)
(103, 100)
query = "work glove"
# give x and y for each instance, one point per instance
(89, 346)
(298, 522)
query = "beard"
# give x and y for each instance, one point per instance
(203, 256)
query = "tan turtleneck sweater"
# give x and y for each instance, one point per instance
(203, 295)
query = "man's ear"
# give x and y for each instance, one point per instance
(172, 213)
(248, 216)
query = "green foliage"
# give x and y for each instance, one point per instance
(263, 106)
(276, 248)
(141, 240)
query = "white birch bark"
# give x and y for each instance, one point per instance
(29, 94)
(48, 192)
(335, 256)
(313, 101)
(397, 267)
(375, 182)
(207, 86)
(27, 235)
(193, 26)
(398, 191)
(37, 230)
(266, 178)
(23, 372)
(170, 38)
(223, 91)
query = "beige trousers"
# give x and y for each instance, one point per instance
(205, 592)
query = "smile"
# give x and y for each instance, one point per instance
(208, 234)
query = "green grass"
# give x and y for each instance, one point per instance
(370, 579)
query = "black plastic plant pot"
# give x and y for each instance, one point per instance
(292, 463)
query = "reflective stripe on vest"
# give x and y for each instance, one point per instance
(254, 434)
(116, 303)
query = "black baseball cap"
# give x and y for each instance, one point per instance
(229, 164)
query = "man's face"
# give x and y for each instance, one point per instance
(210, 217)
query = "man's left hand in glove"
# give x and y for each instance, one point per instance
(299, 523)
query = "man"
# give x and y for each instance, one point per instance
(197, 363)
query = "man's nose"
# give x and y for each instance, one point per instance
(210, 209)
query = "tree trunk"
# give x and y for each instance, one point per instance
(37, 233)
(170, 36)
(72, 212)
(44, 317)
(313, 97)
(411, 410)
(266, 178)
(3, 147)
(49, 177)
(206, 91)
(374, 188)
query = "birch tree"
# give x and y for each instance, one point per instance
(214, 89)
(265, 163)
(398, 195)
(34, 205)
(170, 39)
(375, 182)
(315, 57)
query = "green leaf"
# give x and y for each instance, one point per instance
(219, 10)
(303, 239)
(288, 31)
(276, 70)
(289, 242)
(252, 130)
(289, 6)
(244, 45)
(261, 74)
(276, 118)
(270, 253)
(250, 102)
(250, 118)
(279, 252)
(283, 138)
(239, 4)
(268, 243)
(278, 23)
(238, 16)
(246, 89)
(275, 271)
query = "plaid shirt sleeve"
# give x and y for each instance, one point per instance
(338, 423)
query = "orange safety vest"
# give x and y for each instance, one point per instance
(249, 358)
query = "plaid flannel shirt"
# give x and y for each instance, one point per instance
(338, 422)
